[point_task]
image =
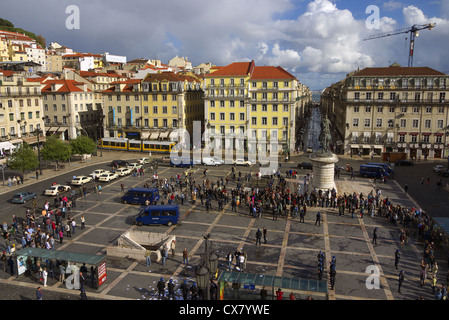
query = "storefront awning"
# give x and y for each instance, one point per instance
(33, 140)
(16, 141)
(6, 145)
(154, 135)
(164, 135)
(145, 135)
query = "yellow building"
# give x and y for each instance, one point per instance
(258, 103)
(152, 108)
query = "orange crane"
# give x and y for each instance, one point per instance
(414, 32)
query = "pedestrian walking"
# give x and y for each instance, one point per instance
(401, 279)
(229, 259)
(148, 257)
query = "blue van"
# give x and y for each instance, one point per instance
(140, 195)
(158, 214)
(383, 165)
(371, 171)
(181, 162)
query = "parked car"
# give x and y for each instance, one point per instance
(444, 173)
(56, 189)
(210, 162)
(438, 168)
(80, 180)
(166, 159)
(119, 163)
(123, 171)
(143, 161)
(242, 162)
(108, 176)
(134, 165)
(403, 162)
(97, 173)
(305, 165)
(23, 197)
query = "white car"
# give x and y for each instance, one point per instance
(438, 168)
(123, 171)
(80, 180)
(56, 189)
(143, 160)
(210, 162)
(217, 160)
(242, 162)
(108, 176)
(134, 165)
(98, 173)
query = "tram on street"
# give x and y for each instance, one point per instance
(125, 144)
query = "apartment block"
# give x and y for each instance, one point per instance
(391, 109)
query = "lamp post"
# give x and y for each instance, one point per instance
(207, 268)
(38, 132)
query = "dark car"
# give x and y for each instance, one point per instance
(119, 163)
(444, 173)
(23, 197)
(403, 162)
(305, 165)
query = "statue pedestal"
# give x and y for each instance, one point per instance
(323, 170)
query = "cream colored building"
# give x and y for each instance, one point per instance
(69, 109)
(21, 108)
(391, 109)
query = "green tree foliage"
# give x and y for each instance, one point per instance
(56, 150)
(23, 159)
(82, 145)
(9, 26)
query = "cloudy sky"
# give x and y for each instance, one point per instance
(319, 41)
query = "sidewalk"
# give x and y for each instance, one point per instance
(30, 177)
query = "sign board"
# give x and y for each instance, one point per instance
(249, 286)
(102, 273)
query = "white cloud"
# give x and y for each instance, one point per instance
(392, 5)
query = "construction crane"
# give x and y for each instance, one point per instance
(414, 32)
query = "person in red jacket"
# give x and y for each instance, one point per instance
(279, 294)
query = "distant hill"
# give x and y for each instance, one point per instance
(9, 26)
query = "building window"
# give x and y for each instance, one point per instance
(367, 122)
(222, 103)
(264, 107)
(428, 109)
(212, 116)
(415, 123)
(440, 124)
(275, 121)
(264, 121)
(438, 139)
(403, 123)
(155, 123)
(232, 116)
(356, 109)
(378, 123)
(391, 109)
(275, 108)
(380, 109)
(404, 109)
(254, 108)
(414, 138)
(242, 116)
(254, 121)
(402, 138)
(426, 139)
(222, 116)
(355, 122)
(427, 124)
(368, 109)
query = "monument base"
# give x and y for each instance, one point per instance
(323, 170)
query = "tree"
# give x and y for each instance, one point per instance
(23, 159)
(56, 150)
(82, 145)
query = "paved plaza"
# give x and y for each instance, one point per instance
(291, 250)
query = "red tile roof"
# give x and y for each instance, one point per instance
(398, 71)
(168, 76)
(234, 69)
(67, 86)
(7, 73)
(267, 72)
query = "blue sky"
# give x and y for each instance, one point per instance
(319, 41)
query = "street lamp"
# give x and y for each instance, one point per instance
(207, 268)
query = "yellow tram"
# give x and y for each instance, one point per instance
(125, 144)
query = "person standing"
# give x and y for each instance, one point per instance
(406, 188)
(83, 221)
(263, 293)
(185, 256)
(229, 258)
(184, 290)
(161, 288)
(396, 258)
(318, 219)
(148, 257)
(44, 276)
(11, 265)
(375, 236)
(258, 237)
(264, 235)
(279, 294)
(171, 290)
(332, 274)
(401, 279)
(39, 294)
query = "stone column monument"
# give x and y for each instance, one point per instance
(323, 161)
